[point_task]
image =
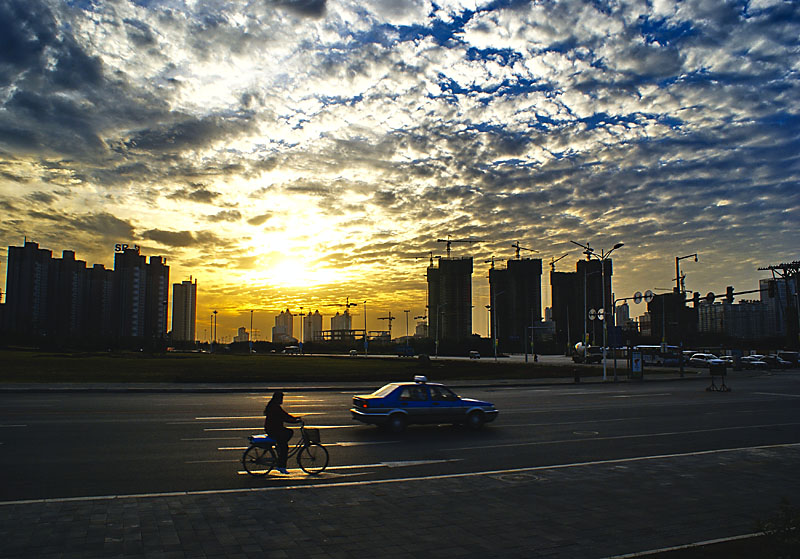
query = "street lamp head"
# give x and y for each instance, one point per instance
(618, 245)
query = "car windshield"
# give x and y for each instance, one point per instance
(385, 390)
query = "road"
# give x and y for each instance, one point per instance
(97, 444)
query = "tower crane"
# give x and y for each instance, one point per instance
(519, 248)
(348, 304)
(448, 240)
(390, 318)
(554, 260)
(430, 255)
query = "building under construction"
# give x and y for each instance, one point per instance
(450, 299)
(515, 297)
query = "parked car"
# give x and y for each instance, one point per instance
(701, 359)
(474, 355)
(399, 404)
(593, 354)
(754, 362)
(792, 357)
(776, 362)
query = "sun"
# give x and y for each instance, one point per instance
(288, 271)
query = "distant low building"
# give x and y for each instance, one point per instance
(241, 335)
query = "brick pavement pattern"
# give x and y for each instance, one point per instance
(582, 511)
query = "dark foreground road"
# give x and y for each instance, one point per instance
(566, 471)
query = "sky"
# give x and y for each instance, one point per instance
(294, 153)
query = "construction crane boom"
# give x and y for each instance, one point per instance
(390, 318)
(519, 248)
(448, 240)
(554, 260)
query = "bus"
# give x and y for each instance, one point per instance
(653, 355)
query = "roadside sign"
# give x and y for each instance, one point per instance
(648, 296)
(637, 297)
(601, 314)
(636, 364)
(592, 314)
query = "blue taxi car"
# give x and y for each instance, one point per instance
(399, 404)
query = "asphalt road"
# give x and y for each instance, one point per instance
(98, 444)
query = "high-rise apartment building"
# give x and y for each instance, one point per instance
(63, 300)
(28, 279)
(312, 327)
(283, 331)
(450, 299)
(516, 302)
(184, 311)
(574, 295)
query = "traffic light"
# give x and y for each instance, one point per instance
(729, 294)
(696, 299)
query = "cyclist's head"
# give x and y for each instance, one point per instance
(277, 396)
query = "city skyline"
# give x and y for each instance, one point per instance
(296, 153)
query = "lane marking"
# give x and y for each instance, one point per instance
(778, 394)
(621, 437)
(642, 395)
(320, 486)
(213, 439)
(687, 546)
(261, 428)
(344, 444)
(9, 425)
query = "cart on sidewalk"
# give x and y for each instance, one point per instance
(717, 369)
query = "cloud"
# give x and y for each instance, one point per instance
(227, 215)
(195, 193)
(259, 219)
(308, 8)
(179, 239)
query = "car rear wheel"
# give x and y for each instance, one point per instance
(475, 420)
(397, 423)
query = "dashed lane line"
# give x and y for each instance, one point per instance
(622, 437)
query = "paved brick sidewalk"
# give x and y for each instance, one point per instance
(591, 510)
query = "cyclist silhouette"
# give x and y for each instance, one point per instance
(276, 416)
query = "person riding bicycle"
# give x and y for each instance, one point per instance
(276, 416)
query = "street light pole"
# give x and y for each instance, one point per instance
(602, 257)
(408, 311)
(365, 329)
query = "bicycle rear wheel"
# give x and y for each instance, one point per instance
(313, 458)
(259, 461)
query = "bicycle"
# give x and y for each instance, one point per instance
(260, 458)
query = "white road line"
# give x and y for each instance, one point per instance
(778, 394)
(587, 421)
(320, 486)
(344, 443)
(686, 546)
(642, 395)
(261, 428)
(13, 425)
(213, 439)
(621, 437)
(220, 417)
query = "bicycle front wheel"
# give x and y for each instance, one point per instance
(258, 461)
(313, 458)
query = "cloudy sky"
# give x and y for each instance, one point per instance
(293, 153)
